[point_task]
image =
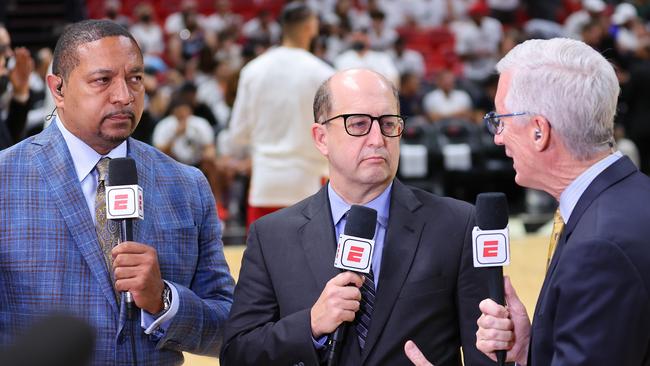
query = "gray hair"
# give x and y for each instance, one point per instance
(569, 83)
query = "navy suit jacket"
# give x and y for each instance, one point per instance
(51, 261)
(594, 306)
(428, 289)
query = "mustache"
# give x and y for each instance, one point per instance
(128, 112)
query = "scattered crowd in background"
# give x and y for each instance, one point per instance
(440, 53)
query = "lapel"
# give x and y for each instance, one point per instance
(616, 172)
(400, 244)
(318, 239)
(610, 176)
(146, 179)
(54, 163)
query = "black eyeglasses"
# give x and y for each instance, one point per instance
(495, 124)
(359, 124)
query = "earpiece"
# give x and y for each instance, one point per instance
(58, 89)
(538, 134)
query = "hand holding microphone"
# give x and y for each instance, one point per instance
(338, 303)
(135, 265)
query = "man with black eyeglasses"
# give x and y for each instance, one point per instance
(290, 298)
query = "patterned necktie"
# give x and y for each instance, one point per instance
(558, 227)
(363, 316)
(108, 231)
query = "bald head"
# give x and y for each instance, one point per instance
(351, 83)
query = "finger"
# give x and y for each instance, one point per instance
(490, 322)
(123, 273)
(349, 293)
(415, 355)
(490, 346)
(129, 260)
(132, 248)
(495, 335)
(489, 307)
(347, 278)
(514, 304)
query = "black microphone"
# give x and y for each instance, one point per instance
(353, 253)
(492, 215)
(124, 203)
(56, 340)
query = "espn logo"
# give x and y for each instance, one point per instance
(354, 254)
(124, 202)
(491, 248)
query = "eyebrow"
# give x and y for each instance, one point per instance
(133, 70)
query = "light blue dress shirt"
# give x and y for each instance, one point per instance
(85, 159)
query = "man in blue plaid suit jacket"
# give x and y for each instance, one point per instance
(50, 257)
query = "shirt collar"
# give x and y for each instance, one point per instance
(381, 204)
(83, 156)
(570, 196)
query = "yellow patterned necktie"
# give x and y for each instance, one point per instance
(108, 232)
(558, 226)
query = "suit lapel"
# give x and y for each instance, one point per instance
(400, 244)
(318, 239)
(54, 163)
(146, 178)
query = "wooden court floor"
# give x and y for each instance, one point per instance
(528, 253)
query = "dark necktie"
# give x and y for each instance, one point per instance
(364, 315)
(108, 232)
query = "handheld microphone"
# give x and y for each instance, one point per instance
(124, 202)
(353, 253)
(491, 247)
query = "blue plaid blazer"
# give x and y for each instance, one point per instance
(50, 259)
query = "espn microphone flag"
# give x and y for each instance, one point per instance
(490, 238)
(356, 244)
(123, 196)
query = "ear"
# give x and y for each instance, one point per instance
(540, 133)
(55, 84)
(319, 135)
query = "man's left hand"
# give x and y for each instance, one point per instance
(136, 270)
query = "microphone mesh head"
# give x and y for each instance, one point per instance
(122, 172)
(491, 211)
(361, 222)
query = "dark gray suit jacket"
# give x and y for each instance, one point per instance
(428, 290)
(594, 306)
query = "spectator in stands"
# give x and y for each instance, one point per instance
(504, 11)
(189, 42)
(262, 27)
(188, 92)
(631, 33)
(447, 101)
(361, 56)
(14, 89)
(184, 136)
(112, 11)
(229, 52)
(176, 22)
(223, 18)
(380, 36)
(434, 13)
(272, 117)
(410, 97)
(147, 31)
(477, 42)
(591, 10)
(407, 60)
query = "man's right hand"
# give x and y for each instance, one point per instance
(501, 328)
(338, 303)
